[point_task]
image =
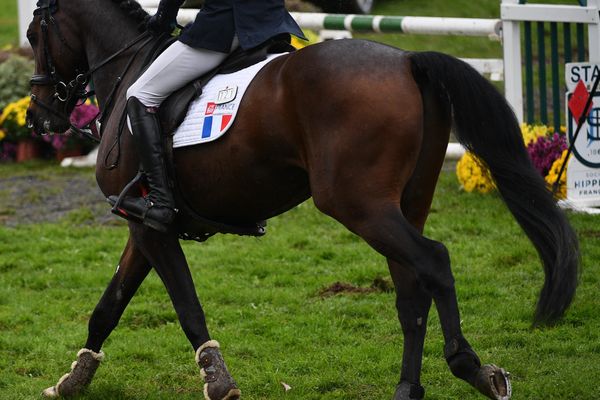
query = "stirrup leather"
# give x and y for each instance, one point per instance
(116, 201)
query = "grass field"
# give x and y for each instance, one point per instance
(262, 302)
(9, 24)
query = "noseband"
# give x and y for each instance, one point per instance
(74, 91)
(67, 93)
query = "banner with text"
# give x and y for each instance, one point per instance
(583, 170)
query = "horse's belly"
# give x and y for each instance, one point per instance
(228, 188)
(255, 171)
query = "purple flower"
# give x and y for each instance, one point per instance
(56, 141)
(83, 115)
(545, 150)
(8, 151)
(80, 117)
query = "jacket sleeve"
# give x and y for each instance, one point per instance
(168, 9)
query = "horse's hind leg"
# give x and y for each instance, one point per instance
(384, 227)
(412, 301)
(366, 198)
(131, 271)
(164, 253)
(413, 305)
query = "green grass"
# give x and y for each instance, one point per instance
(262, 304)
(459, 46)
(9, 23)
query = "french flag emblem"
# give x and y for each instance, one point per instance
(214, 123)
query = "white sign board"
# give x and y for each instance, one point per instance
(583, 170)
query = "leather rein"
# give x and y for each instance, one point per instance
(69, 94)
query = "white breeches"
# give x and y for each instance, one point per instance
(178, 65)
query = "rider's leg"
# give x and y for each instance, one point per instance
(175, 67)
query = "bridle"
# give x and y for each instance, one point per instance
(69, 94)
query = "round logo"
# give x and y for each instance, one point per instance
(587, 144)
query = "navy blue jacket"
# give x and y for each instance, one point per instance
(218, 21)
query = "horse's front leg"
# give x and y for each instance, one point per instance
(164, 253)
(131, 271)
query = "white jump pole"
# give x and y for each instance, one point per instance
(26, 8)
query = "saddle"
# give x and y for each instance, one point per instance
(189, 224)
(174, 108)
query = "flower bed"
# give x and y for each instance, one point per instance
(19, 143)
(546, 148)
(13, 131)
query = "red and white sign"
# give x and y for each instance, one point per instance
(583, 169)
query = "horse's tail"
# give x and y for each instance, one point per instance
(485, 124)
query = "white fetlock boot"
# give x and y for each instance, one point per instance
(219, 385)
(82, 372)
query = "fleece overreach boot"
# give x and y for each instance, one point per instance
(157, 208)
(81, 375)
(218, 383)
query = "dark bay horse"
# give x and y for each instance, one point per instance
(359, 126)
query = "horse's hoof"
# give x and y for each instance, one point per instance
(82, 372)
(409, 391)
(219, 385)
(494, 382)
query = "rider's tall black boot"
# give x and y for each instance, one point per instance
(157, 208)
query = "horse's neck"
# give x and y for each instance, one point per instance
(101, 45)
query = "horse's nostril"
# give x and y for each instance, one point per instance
(29, 119)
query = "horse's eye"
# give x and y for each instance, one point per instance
(32, 37)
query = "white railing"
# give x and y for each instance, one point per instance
(490, 28)
(507, 29)
(512, 14)
(26, 8)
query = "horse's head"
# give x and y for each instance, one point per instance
(59, 81)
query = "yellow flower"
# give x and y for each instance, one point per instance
(16, 111)
(2, 134)
(13, 119)
(532, 132)
(473, 175)
(5, 113)
(561, 193)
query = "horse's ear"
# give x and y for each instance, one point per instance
(42, 5)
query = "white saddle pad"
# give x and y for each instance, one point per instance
(210, 115)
